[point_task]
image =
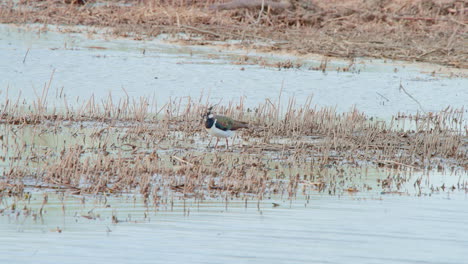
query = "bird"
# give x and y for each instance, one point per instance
(222, 126)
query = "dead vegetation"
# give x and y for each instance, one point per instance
(412, 30)
(128, 146)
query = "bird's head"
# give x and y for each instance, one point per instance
(209, 114)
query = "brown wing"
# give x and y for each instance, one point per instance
(239, 124)
(226, 123)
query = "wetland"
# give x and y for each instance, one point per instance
(104, 153)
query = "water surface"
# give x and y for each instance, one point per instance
(330, 229)
(85, 65)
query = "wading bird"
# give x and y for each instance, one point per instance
(222, 126)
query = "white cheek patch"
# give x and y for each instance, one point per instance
(210, 116)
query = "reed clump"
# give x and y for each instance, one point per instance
(131, 146)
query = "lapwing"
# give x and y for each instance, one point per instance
(222, 126)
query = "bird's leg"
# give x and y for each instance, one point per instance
(209, 143)
(227, 144)
(216, 145)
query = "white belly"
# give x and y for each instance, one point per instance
(214, 131)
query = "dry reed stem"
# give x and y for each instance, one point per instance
(410, 30)
(115, 147)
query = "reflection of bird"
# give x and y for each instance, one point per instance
(222, 126)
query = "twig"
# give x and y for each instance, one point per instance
(452, 37)
(383, 96)
(268, 100)
(183, 161)
(417, 18)
(201, 30)
(430, 19)
(426, 53)
(27, 52)
(336, 19)
(410, 96)
(261, 12)
(458, 22)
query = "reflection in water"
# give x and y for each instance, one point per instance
(347, 229)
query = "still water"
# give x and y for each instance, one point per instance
(329, 229)
(366, 227)
(84, 64)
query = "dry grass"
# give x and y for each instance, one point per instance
(412, 30)
(122, 146)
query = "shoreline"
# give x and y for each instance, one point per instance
(253, 56)
(438, 41)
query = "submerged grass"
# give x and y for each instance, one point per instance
(411, 30)
(128, 146)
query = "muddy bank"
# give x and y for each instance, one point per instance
(428, 31)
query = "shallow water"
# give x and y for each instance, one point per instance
(330, 229)
(85, 64)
